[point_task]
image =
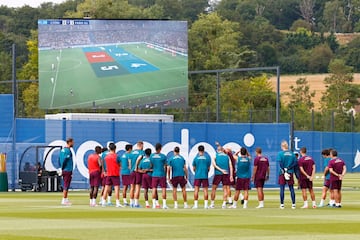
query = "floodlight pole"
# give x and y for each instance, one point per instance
(277, 94)
(14, 87)
(217, 97)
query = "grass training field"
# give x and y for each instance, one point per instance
(114, 76)
(40, 216)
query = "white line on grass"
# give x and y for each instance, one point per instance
(122, 98)
(55, 80)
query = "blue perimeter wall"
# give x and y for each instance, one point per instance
(88, 134)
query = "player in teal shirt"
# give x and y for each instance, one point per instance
(326, 155)
(201, 166)
(66, 159)
(136, 156)
(158, 162)
(243, 167)
(105, 152)
(145, 164)
(176, 163)
(243, 174)
(287, 161)
(145, 169)
(66, 164)
(222, 161)
(159, 166)
(125, 160)
(223, 174)
(136, 177)
(178, 174)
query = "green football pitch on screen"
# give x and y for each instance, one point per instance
(91, 71)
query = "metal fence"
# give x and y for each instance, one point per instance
(330, 120)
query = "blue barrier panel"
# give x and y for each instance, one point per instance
(346, 144)
(188, 136)
(6, 113)
(30, 130)
(88, 134)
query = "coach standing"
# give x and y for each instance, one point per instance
(66, 164)
(287, 161)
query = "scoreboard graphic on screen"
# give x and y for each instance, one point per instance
(112, 64)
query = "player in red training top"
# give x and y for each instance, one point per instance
(94, 165)
(260, 175)
(307, 172)
(337, 170)
(113, 174)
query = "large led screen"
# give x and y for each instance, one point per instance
(112, 63)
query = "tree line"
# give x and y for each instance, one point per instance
(297, 35)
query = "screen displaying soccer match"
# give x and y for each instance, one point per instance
(112, 64)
